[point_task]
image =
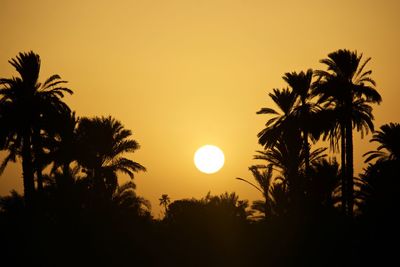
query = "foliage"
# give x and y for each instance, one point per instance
(76, 208)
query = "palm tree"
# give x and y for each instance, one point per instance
(64, 144)
(125, 199)
(279, 201)
(301, 86)
(285, 99)
(102, 142)
(25, 106)
(389, 139)
(282, 132)
(325, 179)
(380, 178)
(263, 178)
(346, 86)
(330, 118)
(226, 204)
(288, 157)
(164, 201)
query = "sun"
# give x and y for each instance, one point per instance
(209, 159)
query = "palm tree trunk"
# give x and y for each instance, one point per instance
(27, 170)
(306, 146)
(349, 168)
(343, 168)
(38, 159)
(307, 152)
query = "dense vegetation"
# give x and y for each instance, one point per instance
(314, 211)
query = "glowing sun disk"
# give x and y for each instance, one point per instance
(209, 159)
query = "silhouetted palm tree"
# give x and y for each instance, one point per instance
(102, 142)
(379, 190)
(25, 106)
(305, 109)
(64, 147)
(345, 85)
(288, 157)
(280, 135)
(325, 179)
(126, 199)
(389, 139)
(282, 132)
(263, 177)
(280, 201)
(227, 204)
(285, 99)
(164, 201)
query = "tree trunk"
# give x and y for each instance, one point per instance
(306, 153)
(306, 146)
(27, 170)
(349, 168)
(38, 159)
(343, 168)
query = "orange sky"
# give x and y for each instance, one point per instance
(181, 74)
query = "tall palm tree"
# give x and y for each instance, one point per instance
(389, 139)
(26, 105)
(345, 85)
(330, 126)
(282, 132)
(103, 141)
(305, 110)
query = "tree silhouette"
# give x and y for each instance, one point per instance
(347, 87)
(295, 121)
(164, 202)
(288, 157)
(304, 110)
(389, 139)
(63, 145)
(227, 204)
(125, 199)
(280, 200)
(25, 106)
(379, 189)
(76, 162)
(263, 177)
(102, 142)
(325, 179)
(210, 210)
(285, 99)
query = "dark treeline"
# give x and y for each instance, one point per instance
(313, 210)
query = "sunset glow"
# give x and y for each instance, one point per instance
(199, 132)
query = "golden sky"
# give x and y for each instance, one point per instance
(181, 74)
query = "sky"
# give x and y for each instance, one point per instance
(182, 74)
